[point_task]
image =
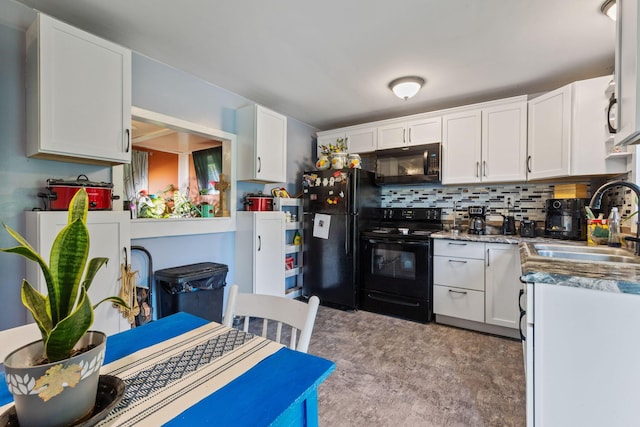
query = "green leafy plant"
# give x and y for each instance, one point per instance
(65, 314)
(339, 147)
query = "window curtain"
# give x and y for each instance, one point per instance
(136, 174)
(208, 166)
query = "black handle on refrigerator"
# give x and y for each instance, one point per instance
(347, 236)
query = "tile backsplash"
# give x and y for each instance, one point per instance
(527, 200)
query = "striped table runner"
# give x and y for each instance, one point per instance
(165, 379)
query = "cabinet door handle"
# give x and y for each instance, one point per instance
(128, 136)
(529, 164)
(458, 260)
(404, 136)
(259, 164)
(488, 258)
(409, 135)
(612, 102)
(259, 243)
(484, 168)
(522, 315)
(477, 169)
(457, 244)
(457, 292)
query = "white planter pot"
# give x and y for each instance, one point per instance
(53, 401)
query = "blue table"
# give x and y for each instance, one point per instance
(280, 390)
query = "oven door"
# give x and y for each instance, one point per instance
(399, 267)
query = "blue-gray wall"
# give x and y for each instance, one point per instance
(156, 87)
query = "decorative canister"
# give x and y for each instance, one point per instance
(354, 162)
(323, 162)
(339, 160)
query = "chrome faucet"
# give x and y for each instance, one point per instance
(596, 199)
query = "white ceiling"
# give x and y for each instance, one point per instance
(328, 63)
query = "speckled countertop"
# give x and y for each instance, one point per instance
(604, 276)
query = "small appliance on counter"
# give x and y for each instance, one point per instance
(508, 222)
(477, 219)
(258, 202)
(527, 228)
(60, 192)
(566, 219)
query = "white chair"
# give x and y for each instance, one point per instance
(296, 314)
(11, 339)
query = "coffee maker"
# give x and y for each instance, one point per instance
(566, 219)
(477, 219)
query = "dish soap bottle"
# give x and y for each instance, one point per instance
(297, 238)
(614, 228)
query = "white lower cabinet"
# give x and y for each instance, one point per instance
(476, 285)
(502, 285)
(459, 302)
(584, 344)
(109, 234)
(458, 277)
(260, 252)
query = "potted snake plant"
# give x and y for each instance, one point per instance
(54, 381)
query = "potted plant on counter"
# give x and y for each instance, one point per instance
(54, 381)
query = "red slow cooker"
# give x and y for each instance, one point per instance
(61, 192)
(258, 202)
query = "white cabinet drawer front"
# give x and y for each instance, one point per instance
(458, 248)
(460, 303)
(459, 272)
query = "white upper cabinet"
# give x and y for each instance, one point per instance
(360, 139)
(504, 142)
(461, 147)
(485, 144)
(549, 121)
(405, 133)
(627, 73)
(78, 95)
(568, 132)
(262, 144)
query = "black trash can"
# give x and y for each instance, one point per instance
(197, 289)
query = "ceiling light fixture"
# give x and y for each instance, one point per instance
(406, 87)
(609, 8)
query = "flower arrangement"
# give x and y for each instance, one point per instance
(339, 147)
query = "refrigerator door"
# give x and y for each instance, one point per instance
(329, 271)
(340, 191)
(328, 191)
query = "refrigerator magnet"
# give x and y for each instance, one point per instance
(325, 181)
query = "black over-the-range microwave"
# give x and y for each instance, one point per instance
(409, 165)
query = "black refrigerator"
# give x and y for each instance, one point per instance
(334, 201)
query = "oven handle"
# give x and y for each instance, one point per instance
(400, 242)
(393, 301)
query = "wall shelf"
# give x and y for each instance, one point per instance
(293, 277)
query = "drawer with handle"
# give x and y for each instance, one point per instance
(459, 248)
(459, 272)
(457, 302)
